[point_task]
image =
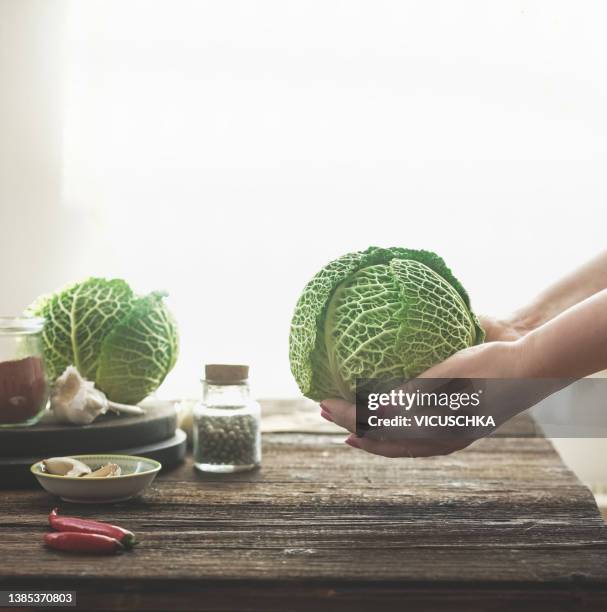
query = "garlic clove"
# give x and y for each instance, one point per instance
(107, 471)
(65, 466)
(75, 399)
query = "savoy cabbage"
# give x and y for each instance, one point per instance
(385, 314)
(126, 344)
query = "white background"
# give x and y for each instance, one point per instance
(225, 150)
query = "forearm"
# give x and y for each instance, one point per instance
(570, 290)
(571, 345)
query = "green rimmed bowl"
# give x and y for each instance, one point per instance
(137, 474)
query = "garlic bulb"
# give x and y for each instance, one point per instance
(75, 400)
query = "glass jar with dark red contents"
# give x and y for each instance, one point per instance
(24, 387)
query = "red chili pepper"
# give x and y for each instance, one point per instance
(83, 542)
(73, 524)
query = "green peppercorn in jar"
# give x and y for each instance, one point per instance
(227, 436)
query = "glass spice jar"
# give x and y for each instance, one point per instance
(24, 386)
(226, 431)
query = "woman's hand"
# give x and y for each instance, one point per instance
(569, 346)
(485, 361)
(560, 336)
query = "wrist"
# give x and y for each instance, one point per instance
(502, 359)
(526, 320)
(529, 358)
(535, 364)
(519, 358)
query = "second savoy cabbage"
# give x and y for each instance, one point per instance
(126, 344)
(386, 314)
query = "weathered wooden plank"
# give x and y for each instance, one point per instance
(163, 557)
(326, 525)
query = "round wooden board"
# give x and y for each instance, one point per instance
(106, 434)
(15, 471)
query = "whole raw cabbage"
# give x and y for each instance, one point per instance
(385, 314)
(126, 344)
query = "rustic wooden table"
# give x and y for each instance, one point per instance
(323, 526)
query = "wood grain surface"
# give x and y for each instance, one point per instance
(501, 525)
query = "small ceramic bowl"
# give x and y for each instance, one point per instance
(137, 474)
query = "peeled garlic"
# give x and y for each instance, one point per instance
(108, 470)
(65, 466)
(75, 400)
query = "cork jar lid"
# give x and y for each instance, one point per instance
(225, 374)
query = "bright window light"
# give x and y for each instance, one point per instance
(226, 150)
